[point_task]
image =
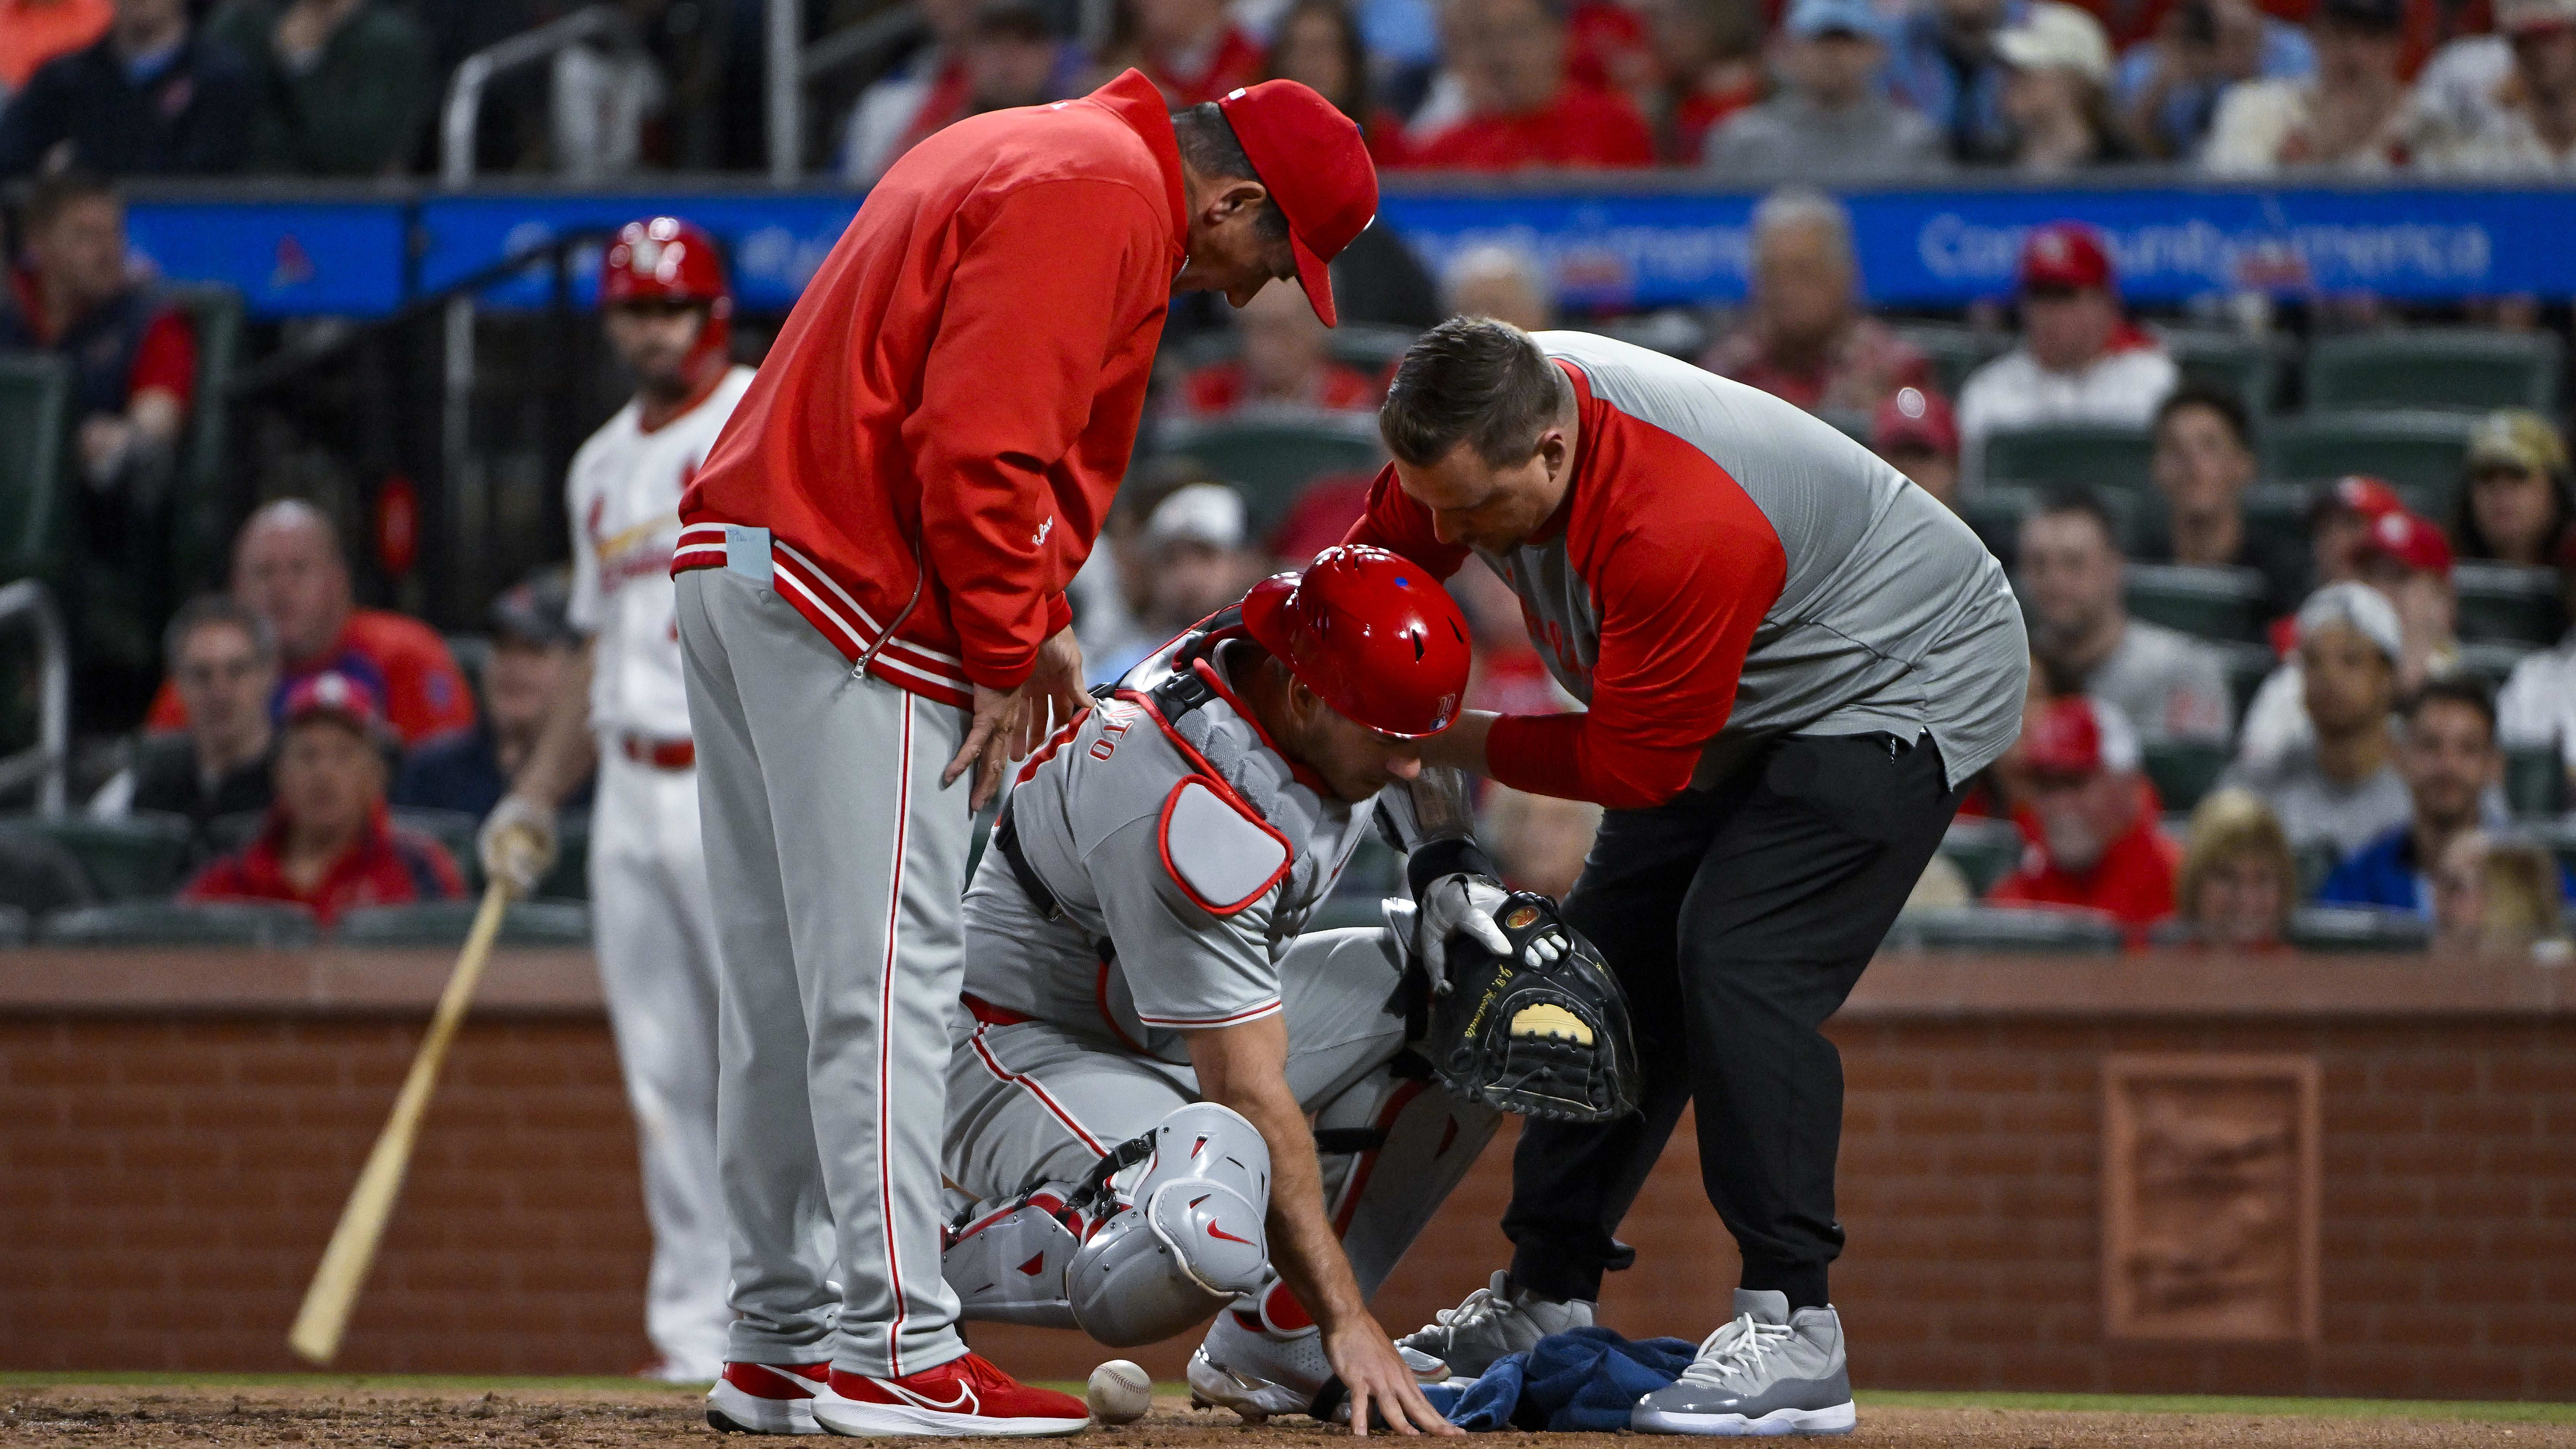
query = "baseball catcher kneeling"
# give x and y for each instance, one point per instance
(1149, 1024)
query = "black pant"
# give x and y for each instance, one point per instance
(1737, 919)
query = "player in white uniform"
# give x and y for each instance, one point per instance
(1148, 1025)
(666, 308)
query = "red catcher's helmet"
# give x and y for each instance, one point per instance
(1373, 634)
(664, 256)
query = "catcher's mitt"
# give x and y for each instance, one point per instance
(1547, 1041)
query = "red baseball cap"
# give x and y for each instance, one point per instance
(2065, 254)
(2362, 494)
(1917, 417)
(2410, 539)
(336, 695)
(2078, 735)
(1317, 168)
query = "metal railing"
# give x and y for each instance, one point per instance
(49, 759)
(474, 75)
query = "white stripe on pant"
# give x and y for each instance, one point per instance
(836, 862)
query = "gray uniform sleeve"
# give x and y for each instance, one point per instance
(1187, 966)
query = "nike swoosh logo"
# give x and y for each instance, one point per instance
(1216, 1232)
(964, 1403)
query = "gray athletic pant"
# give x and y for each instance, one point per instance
(836, 862)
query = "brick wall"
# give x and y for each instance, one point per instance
(167, 1175)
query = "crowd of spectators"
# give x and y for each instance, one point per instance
(1826, 91)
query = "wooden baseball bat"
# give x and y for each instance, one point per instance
(352, 1251)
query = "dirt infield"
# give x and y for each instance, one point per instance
(550, 1417)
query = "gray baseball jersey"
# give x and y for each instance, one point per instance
(1189, 842)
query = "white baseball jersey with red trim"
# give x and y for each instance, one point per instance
(624, 493)
(1197, 848)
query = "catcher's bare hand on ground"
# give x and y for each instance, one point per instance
(517, 844)
(999, 717)
(1365, 1358)
(1057, 681)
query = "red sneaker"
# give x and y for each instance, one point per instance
(964, 1396)
(767, 1398)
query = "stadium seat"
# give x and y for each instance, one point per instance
(1852, 423)
(445, 923)
(2104, 457)
(2418, 451)
(570, 879)
(1955, 351)
(134, 858)
(472, 652)
(453, 829)
(2316, 860)
(2471, 369)
(13, 926)
(2535, 782)
(35, 437)
(2007, 929)
(183, 923)
(2358, 928)
(2278, 508)
(1271, 462)
(2183, 772)
(2206, 600)
(2248, 665)
(1985, 850)
(199, 534)
(232, 832)
(2491, 661)
(2232, 362)
(1372, 347)
(1995, 511)
(2506, 604)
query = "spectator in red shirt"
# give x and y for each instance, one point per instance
(1806, 338)
(1284, 368)
(288, 568)
(1711, 52)
(1524, 110)
(1190, 49)
(2098, 844)
(35, 31)
(328, 844)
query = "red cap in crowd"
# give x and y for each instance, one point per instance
(2364, 495)
(665, 257)
(1372, 633)
(2066, 255)
(335, 695)
(1317, 168)
(2410, 539)
(2078, 736)
(1914, 417)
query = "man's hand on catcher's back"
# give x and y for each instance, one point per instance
(517, 843)
(1008, 724)
(1057, 681)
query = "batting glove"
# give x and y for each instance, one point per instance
(517, 843)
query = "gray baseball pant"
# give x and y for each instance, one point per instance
(836, 863)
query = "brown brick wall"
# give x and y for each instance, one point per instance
(166, 1182)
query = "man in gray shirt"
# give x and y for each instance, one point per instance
(2343, 790)
(2172, 686)
(1830, 122)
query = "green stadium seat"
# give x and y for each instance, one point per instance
(135, 858)
(2210, 601)
(2007, 929)
(2101, 456)
(35, 468)
(199, 537)
(183, 923)
(2316, 860)
(1273, 462)
(1372, 347)
(2464, 369)
(2248, 367)
(445, 923)
(14, 926)
(2535, 782)
(2248, 665)
(570, 879)
(1955, 351)
(2418, 451)
(2358, 928)
(232, 832)
(2492, 662)
(472, 652)
(1995, 512)
(2184, 772)
(1984, 850)
(2506, 604)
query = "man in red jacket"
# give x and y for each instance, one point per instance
(1792, 658)
(880, 542)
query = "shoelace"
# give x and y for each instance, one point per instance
(1739, 1345)
(1480, 1305)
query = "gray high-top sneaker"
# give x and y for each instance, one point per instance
(1769, 1371)
(1496, 1320)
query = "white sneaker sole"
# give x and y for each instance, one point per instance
(731, 1411)
(856, 1420)
(1835, 1420)
(1255, 1399)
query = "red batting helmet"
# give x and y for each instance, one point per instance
(664, 256)
(1374, 635)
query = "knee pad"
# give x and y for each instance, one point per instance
(1006, 1261)
(1191, 1241)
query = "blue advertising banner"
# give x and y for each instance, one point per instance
(1640, 247)
(286, 259)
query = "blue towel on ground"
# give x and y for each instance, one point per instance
(1585, 1380)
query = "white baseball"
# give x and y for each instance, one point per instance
(1120, 1392)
